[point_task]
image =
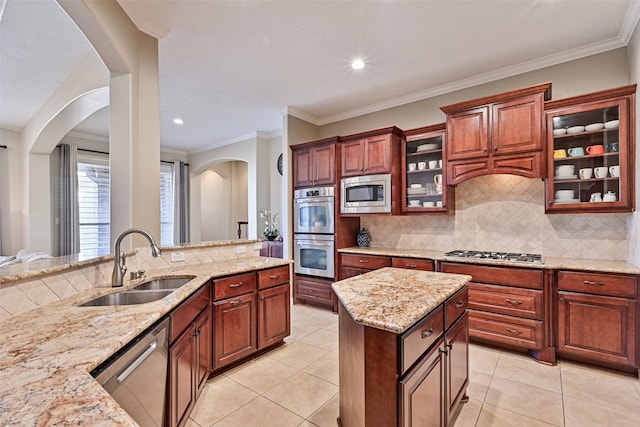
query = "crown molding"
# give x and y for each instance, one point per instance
(630, 22)
(302, 115)
(88, 136)
(138, 18)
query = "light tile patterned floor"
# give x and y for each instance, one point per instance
(297, 385)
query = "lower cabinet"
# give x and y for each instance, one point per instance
(189, 354)
(274, 308)
(417, 378)
(356, 264)
(315, 291)
(598, 318)
(234, 322)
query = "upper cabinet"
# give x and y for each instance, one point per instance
(314, 163)
(423, 174)
(370, 153)
(497, 134)
(591, 152)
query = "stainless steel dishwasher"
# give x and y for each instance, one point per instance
(136, 376)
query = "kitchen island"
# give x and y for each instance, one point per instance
(403, 347)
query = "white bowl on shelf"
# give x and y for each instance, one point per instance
(593, 126)
(612, 124)
(557, 132)
(416, 185)
(414, 203)
(575, 129)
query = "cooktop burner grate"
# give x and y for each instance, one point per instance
(500, 256)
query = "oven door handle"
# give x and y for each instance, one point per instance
(314, 244)
(317, 201)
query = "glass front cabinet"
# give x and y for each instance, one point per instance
(423, 180)
(591, 152)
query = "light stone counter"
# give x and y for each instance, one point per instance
(550, 263)
(393, 299)
(46, 354)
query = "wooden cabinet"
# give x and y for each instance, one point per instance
(598, 318)
(314, 290)
(356, 264)
(507, 306)
(314, 163)
(366, 156)
(423, 171)
(234, 329)
(591, 154)
(274, 302)
(417, 378)
(190, 352)
(497, 134)
(413, 263)
(271, 249)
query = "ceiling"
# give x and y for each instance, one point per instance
(230, 69)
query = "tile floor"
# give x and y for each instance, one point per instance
(297, 385)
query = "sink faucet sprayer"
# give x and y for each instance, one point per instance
(120, 268)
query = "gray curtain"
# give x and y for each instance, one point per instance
(181, 203)
(67, 204)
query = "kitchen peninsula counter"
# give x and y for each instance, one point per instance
(549, 263)
(403, 336)
(47, 353)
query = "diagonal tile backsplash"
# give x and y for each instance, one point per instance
(505, 213)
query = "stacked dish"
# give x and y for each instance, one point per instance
(425, 147)
(612, 124)
(575, 129)
(593, 127)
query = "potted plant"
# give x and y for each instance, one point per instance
(271, 221)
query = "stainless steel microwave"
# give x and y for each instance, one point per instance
(366, 194)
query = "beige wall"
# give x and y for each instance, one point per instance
(633, 51)
(502, 212)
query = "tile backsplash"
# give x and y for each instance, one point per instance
(505, 213)
(26, 295)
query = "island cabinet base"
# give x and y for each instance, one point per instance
(417, 378)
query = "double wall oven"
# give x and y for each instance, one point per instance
(314, 239)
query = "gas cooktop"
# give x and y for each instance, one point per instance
(499, 256)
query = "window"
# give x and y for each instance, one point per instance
(93, 203)
(166, 204)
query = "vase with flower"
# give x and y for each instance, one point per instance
(271, 223)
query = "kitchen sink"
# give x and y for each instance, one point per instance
(172, 283)
(127, 298)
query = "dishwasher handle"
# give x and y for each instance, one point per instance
(132, 367)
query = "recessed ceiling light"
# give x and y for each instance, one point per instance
(178, 121)
(357, 64)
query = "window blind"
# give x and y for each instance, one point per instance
(166, 204)
(93, 203)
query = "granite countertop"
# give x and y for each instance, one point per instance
(550, 263)
(393, 299)
(47, 353)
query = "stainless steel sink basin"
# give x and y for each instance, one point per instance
(127, 298)
(161, 284)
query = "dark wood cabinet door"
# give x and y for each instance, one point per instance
(422, 392)
(597, 327)
(352, 157)
(377, 154)
(204, 349)
(302, 173)
(324, 165)
(182, 377)
(457, 343)
(235, 329)
(468, 134)
(517, 126)
(273, 315)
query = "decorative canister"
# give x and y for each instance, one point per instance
(363, 238)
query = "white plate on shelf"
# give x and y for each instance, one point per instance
(560, 201)
(425, 147)
(559, 131)
(593, 126)
(557, 177)
(612, 124)
(415, 191)
(575, 129)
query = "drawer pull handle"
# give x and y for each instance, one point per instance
(514, 331)
(589, 282)
(510, 301)
(460, 304)
(427, 333)
(310, 290)
(236, 285)
(363, 261)
(274, 277)
(235, 302)
(411, 266)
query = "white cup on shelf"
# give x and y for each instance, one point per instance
(412, 166)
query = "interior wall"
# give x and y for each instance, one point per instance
(11, 195)
(633, 239)
(275, 179)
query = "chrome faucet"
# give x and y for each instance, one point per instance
(120, 267)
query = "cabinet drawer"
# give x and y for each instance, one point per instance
(594, 283)
(412, 263)
(273, 276)
(419, 338)
(506, 300)
(186, 312)
(371, 262)
(520, 277)
(234, 285)
(313, 291)
(524, 333)
(455, 306)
